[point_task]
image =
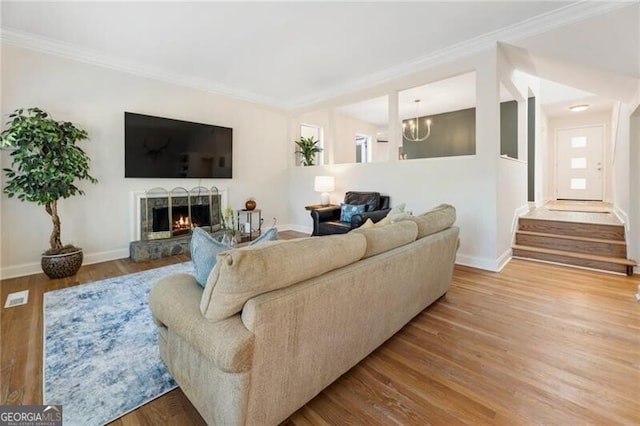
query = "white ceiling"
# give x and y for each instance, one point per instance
(281, 53)
(289, 54)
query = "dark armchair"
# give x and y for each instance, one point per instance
(326, 220)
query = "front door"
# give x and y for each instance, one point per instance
(579, 163)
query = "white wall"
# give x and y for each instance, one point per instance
(468, 183)
(511, 183)
(511, 198)
(345, 143)
(95, 98)
(620, 158)
(634, 187)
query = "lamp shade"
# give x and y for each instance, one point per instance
(324, 183)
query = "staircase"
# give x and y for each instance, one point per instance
(588, 245)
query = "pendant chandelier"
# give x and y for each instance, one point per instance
(412, 131)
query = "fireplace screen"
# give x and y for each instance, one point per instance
(166, 214)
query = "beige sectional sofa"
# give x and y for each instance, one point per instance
(278, 322)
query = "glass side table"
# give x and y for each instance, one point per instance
(249, 223)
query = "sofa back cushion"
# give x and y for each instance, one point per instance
(434, 220)
(249, 271)
(387, 237)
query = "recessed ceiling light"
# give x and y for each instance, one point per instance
(578, 108)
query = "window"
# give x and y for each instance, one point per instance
(310, 130)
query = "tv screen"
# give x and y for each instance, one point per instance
(156, 147)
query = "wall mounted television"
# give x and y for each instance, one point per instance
(156, 147)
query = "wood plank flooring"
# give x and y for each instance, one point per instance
(533, 344)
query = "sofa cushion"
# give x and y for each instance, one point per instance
(384, 221)
(249, 271)
(204, 249)
(388, 237)
(434, 220)
(348, 210)
(367, 224)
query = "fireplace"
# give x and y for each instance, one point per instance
(167, 214)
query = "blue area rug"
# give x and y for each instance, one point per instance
(101, 355)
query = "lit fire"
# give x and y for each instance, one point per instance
(183, 223)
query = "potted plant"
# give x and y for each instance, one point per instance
(307, 148)
(45, 166)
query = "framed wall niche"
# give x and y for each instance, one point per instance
(439, 118)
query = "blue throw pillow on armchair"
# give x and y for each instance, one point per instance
(348, 210)
(204, 249)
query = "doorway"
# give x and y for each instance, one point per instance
(363, 149)
(579, 163)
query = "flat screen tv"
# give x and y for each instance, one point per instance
(156, 147)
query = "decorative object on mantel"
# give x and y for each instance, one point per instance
(325, 185)
(46, 164)
(307, 148)
(250, 204)
(229, 228)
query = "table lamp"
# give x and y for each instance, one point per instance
(324, 184)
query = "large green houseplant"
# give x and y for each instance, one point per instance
(307, 148)
(46, 163)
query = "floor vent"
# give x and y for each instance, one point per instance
(17, 299)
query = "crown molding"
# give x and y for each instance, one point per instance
(555, 19)
(94, 57)
(558, 18)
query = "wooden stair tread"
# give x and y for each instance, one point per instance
(619, 261)
(573, 221)
(571, 237)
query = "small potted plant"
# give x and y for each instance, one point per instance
(46, 163)
(307, 148)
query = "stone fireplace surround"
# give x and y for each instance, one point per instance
(148, 245)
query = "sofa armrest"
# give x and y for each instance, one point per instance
(360, 218)
(175, 304)
(326, 213)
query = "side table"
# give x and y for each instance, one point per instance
(319, 206)
(246, 223)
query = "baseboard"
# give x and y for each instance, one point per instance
(493, 265)
(105, 256)
(34, 267)
(503, 260)
(20, 270)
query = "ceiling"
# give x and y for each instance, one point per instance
(291, 54)
(284, 54)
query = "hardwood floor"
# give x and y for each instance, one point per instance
(535, 343)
